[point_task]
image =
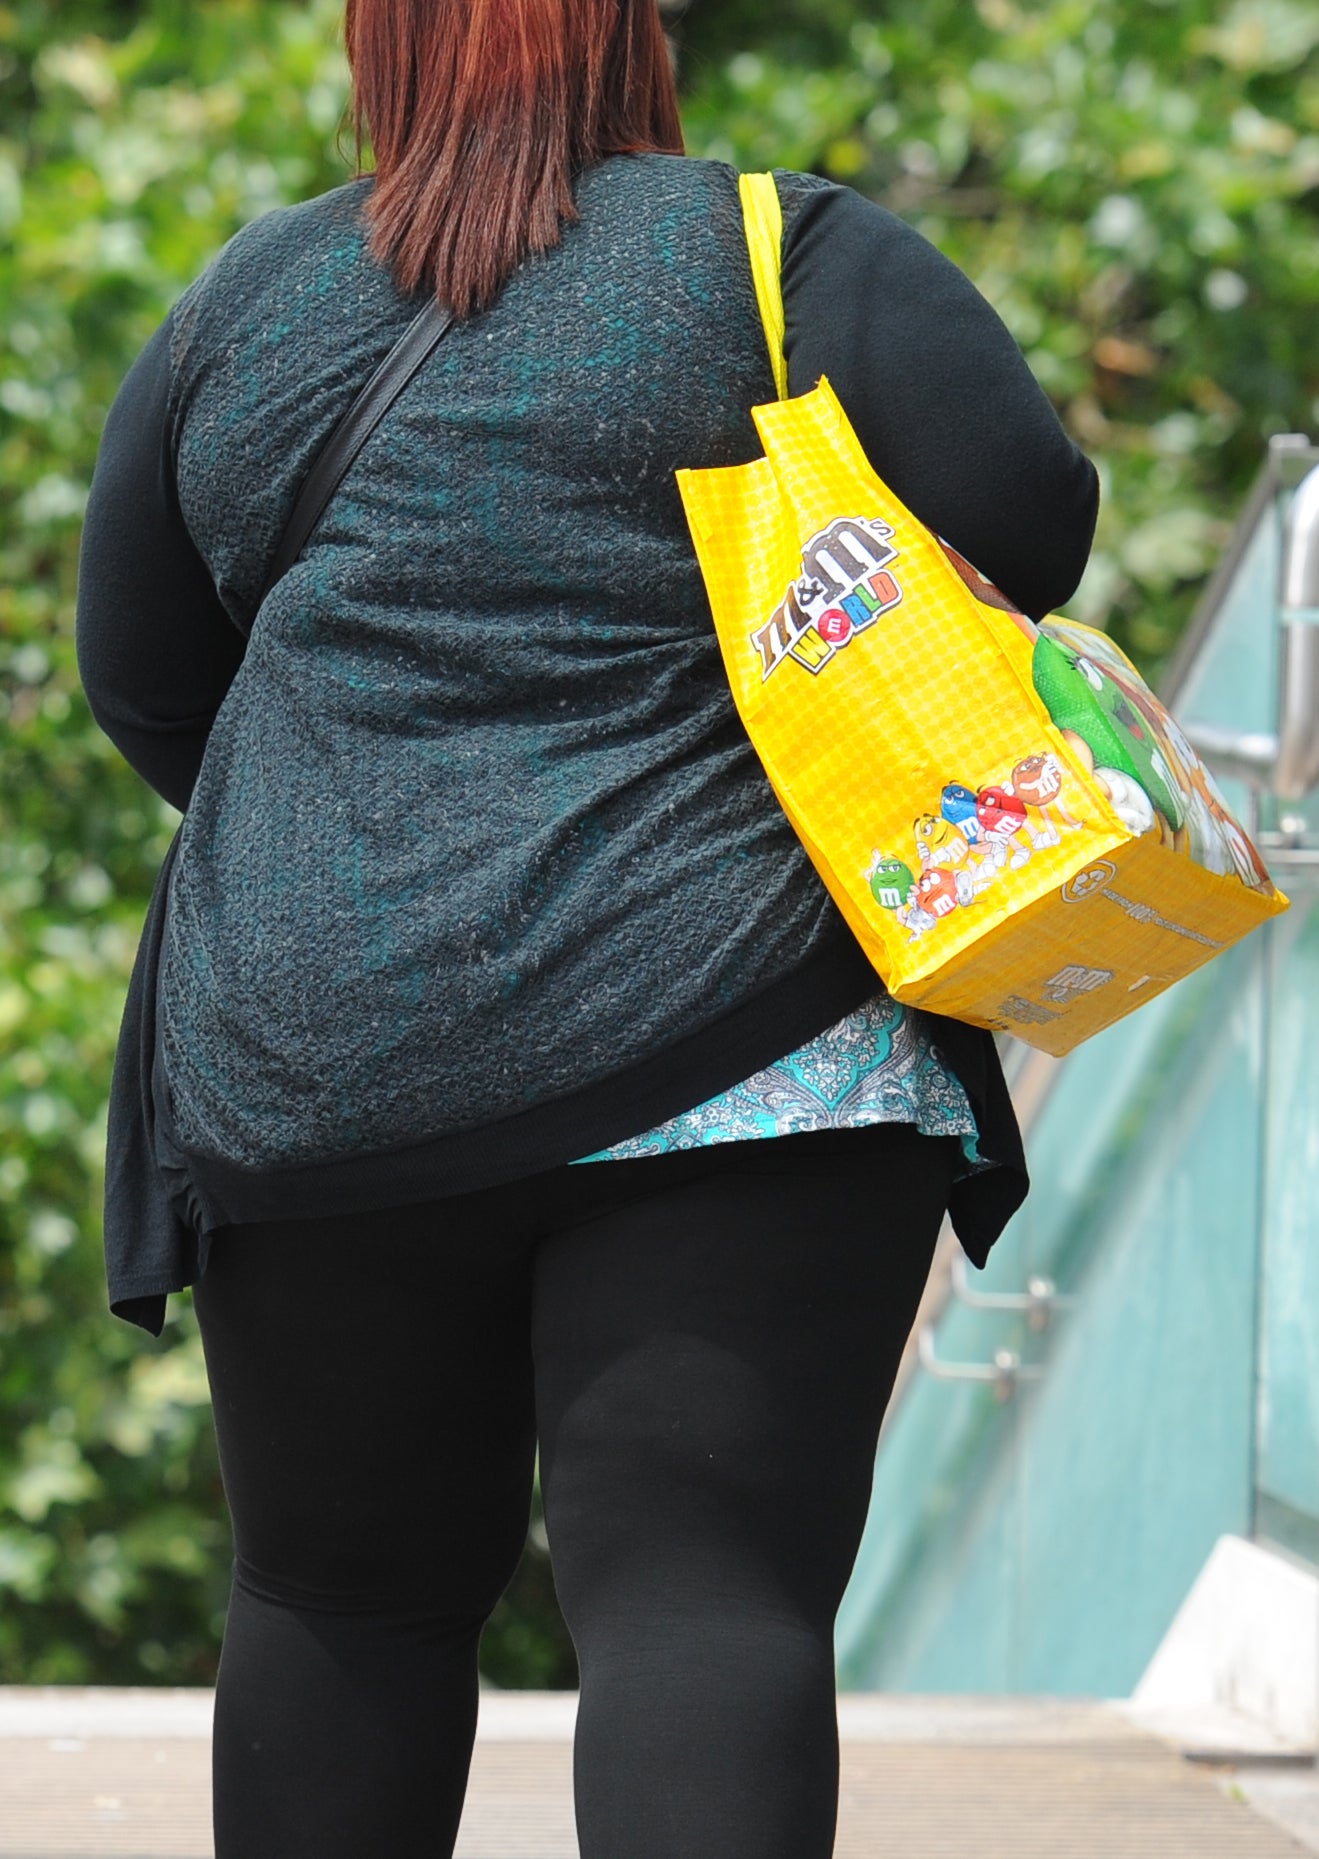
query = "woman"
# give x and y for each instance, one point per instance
(480, 880)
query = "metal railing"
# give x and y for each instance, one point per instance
(1285, 762)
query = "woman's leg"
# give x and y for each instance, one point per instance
(712, 1366)
(371, 1379)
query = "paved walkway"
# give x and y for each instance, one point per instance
(124, 1775)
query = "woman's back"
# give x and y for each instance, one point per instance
(477, 823)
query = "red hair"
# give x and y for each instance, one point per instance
(479, 113)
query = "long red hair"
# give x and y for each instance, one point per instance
(479, 113)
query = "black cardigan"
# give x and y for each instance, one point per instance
(944, 406)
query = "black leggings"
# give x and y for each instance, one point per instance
(704, 1344)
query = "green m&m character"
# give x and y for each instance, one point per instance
(890, 882)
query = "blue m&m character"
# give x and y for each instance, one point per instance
(959, 809)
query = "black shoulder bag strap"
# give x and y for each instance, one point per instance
(412, 350)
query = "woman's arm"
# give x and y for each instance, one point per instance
(156, 650)
(939, 395)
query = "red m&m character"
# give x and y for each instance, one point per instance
(1000, 814)
(936, 891)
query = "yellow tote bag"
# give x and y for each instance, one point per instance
(1017, 832)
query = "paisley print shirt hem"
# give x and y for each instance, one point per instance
(874, 1066)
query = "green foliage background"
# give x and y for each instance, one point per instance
(1136, 188)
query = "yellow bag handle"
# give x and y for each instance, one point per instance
(762, 215)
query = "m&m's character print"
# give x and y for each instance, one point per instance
(1002, 817)
(1038, 780)
(976, 836)
(890, 881)
(913, 918)
(936, 892)
(958, 807)
(938, 841)
(917, 903)
(988, 820)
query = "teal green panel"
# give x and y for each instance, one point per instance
(1046, 1544)
(942, 1454)
(1289, 1391)
(1138, 1453)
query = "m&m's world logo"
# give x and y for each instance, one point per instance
(843, 587)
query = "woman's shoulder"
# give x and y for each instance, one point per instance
(336, 213)
(705, 188)
(807, 200)
(287, 249)
(796, 187)
(712, 172)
